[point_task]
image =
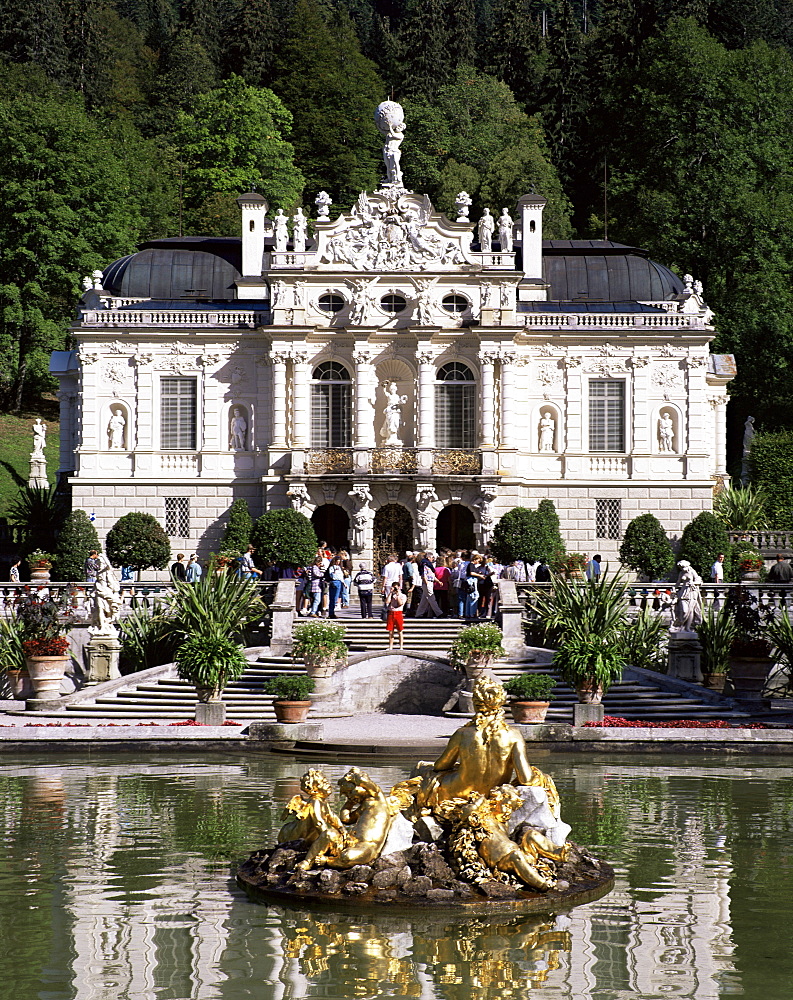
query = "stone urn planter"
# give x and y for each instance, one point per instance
(529, 711)
(714, 682)
(477, 664)
(748, 675)
(19, 683)
(206, 695)
(46, 674)
(589, 693)
(475, 649)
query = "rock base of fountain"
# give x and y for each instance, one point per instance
(419, 877)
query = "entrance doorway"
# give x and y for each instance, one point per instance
(454, 528)
(332, 525)
(393, 532)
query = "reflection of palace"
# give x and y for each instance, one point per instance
(393, 356)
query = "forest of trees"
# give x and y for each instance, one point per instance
(663, 123)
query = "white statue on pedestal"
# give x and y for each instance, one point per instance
(39, 438)
(547, 432)
(280, 224)
(666, 432)
(107, 598)
(505, 225)
(323, 201)
(748, 437)
(389, 432)
(299, 230)
(238, 430)
(363, 513)
(486, 227)
(115, 429)
(462, 203)
(688, 607)
(390, 120)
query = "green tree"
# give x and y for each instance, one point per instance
(284, 536)
(331, 91)
(646, 548)
(702, 541)
(549, 531)
(77, 539)
(772, 472)
(238, 527)
(138, 540)
(425, 39)
(234, 137)
(527, 534)
(515, 51)
(249, 49)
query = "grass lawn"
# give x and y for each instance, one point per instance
(16, 444)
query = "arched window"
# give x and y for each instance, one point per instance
(331, 416)
(455, 407)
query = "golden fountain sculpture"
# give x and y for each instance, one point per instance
(447, 833)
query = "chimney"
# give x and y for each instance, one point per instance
(530, 207)
(254, 212)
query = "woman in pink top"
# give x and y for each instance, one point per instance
(444, 578)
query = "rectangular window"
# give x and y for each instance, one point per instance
(331, 413)
(455, 416)
(606, 416)
(178, 414)
(608, 519)
(177, 517)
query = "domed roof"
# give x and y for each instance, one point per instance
(602, 271)
(187, 267)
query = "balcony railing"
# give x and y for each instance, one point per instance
(320, 460)
(171, 317)
(768, 542)
(457, 462)
(394, 460)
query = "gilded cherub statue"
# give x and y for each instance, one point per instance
(310, 818)
(482, 849)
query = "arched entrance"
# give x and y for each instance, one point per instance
(393, 532)
(454, 528)
(332, 525)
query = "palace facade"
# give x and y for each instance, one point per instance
(400, 378)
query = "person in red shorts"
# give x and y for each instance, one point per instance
(396, 620)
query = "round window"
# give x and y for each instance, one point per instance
(331, 303)
(393, 303)
(455, 303)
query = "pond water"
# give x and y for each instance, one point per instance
(116, 884)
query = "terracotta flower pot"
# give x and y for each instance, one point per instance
(19, 682)
(477, 664)
(589, 693)
(529, 711)
(40, 573)
(46, 674)
(291, 711)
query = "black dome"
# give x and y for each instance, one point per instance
(602, 271)
(188, 267)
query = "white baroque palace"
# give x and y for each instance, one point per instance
(400, 378)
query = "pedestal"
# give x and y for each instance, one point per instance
(210, 713)
(38, 472)
(511, 613)
(684, 656)
(587, 713)
(103, 653)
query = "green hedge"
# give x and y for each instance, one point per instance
(771, 463)
(702, 541)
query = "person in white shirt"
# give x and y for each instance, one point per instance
(717, 569)
(392, 573)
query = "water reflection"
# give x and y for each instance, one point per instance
(115, 883)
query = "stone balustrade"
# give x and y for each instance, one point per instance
(612, 321)
(235, 318)
(769, 542)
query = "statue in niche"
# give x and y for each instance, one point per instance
(486, 227)
(547, 432)
(666, 432)
(276, 293)
(394, 402)
(39, 438)
(390, 120)
(299, 230)
(505, 225)
(280, 224)
(115, 429)
(238, 430)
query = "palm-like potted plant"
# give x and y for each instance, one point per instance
(475, 648)
(45, 644)
(750, 650)
(531, 696)
(716, 633)
(12, 655)
(210, 661)
(321, 645)
(291, 696)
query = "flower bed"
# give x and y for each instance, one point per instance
(615, 722)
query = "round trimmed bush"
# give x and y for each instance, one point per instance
(284, 536)
(528, 534)
(138, 540)
(238, 528)
(77, 539)
(646, 549)
(702, 541)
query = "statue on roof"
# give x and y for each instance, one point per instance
(390, 120)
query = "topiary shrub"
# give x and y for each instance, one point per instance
(284, 536)
(78, 537)
(528, 534)
(702, 541)
(771, 464)
(238, 529)
(138, 540)
(646, 549)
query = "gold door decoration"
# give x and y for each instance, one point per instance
(393, 532)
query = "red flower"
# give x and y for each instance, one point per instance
(46, 647)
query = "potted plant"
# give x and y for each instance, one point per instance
(40, 563)
(590, 666)
(291, 696)
(716, 633)
(750, 650)
(210, 661)
(45, 644)
(12, 656)
(475, 648)
(223, 561)
(571, 564)
(531, 696)
(321, 645)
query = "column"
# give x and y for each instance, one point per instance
(719, 405)
(487, 430)
(143, 441)
(697, 452)
(279, 360)
(364, 400)
(574, 418)
(426, 360)
(301, 399)
(508, 373)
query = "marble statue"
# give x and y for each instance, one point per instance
(115, 429)
(666, 432)
(280, 224)
(486, 227)
(363, 513)
(39, 438)
(299, 230)
(323, 201)
(505, 224)
(748, 437)
(389, 432)
(688, 606)
(107, 598)
(425, 302)
(298, 496)
(361, 300)
(547, 432)
(238, 430)
(463, 203)
(390, 120)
